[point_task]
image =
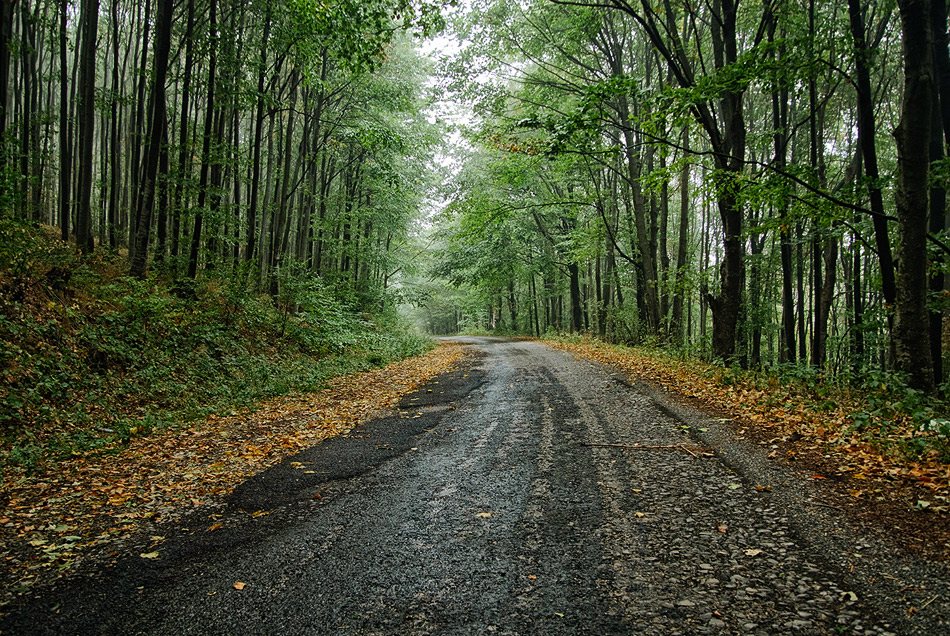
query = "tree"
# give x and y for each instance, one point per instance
(911, 315)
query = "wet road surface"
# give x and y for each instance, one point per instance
(502, 499)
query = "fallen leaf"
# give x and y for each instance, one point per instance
(239, 585)
(484, 515)
(149, 555)
(215, 526)
(753, 552)
(722, 528)
(639, 515)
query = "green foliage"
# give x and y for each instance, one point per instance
(99, 357)
(913, 420)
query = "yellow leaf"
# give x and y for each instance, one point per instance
(149, 555)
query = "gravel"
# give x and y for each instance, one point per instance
(492, 505)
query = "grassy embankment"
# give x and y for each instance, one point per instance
(90, 357)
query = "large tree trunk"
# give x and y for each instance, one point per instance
(911, 334)
(939, 138)
(577, 318)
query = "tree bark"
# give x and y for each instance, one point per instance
(87, 122)
(157, 133)
(65, 143)
(867, 143)
(206, 158)
(911, 334)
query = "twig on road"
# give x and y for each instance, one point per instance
(930, 601)
(812, 502)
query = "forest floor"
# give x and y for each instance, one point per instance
(865, 477)
(91, 507)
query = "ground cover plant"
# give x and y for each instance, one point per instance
(90, 356)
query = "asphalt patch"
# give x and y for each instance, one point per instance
(111, 600)
(361, 450)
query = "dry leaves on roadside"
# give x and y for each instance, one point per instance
(49, 518)
(780, 411)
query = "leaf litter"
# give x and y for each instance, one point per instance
(893, 491)
(93, 503)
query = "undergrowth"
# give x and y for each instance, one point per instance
(89, 356)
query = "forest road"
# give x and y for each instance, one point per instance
(505, 499)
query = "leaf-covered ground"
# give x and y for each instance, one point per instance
(872, 477)
(94, 502)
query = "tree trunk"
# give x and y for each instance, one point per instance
(940, 137)
(8, 9)
(682, 252)
(65, 143)
(157, 133)
(183, 128)
(87, 122)
(206, 145)
(866, 141)
(911, 334)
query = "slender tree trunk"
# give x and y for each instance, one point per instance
(87, 122)
(256, 145)
(138, 136)
(65, 143)
(112, 215)
(682, 251)
(157, 133)
(206, 144)
(8, 9)
(184, 164)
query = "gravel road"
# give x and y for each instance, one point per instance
(504, 498)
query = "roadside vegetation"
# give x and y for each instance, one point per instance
(90, 356)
